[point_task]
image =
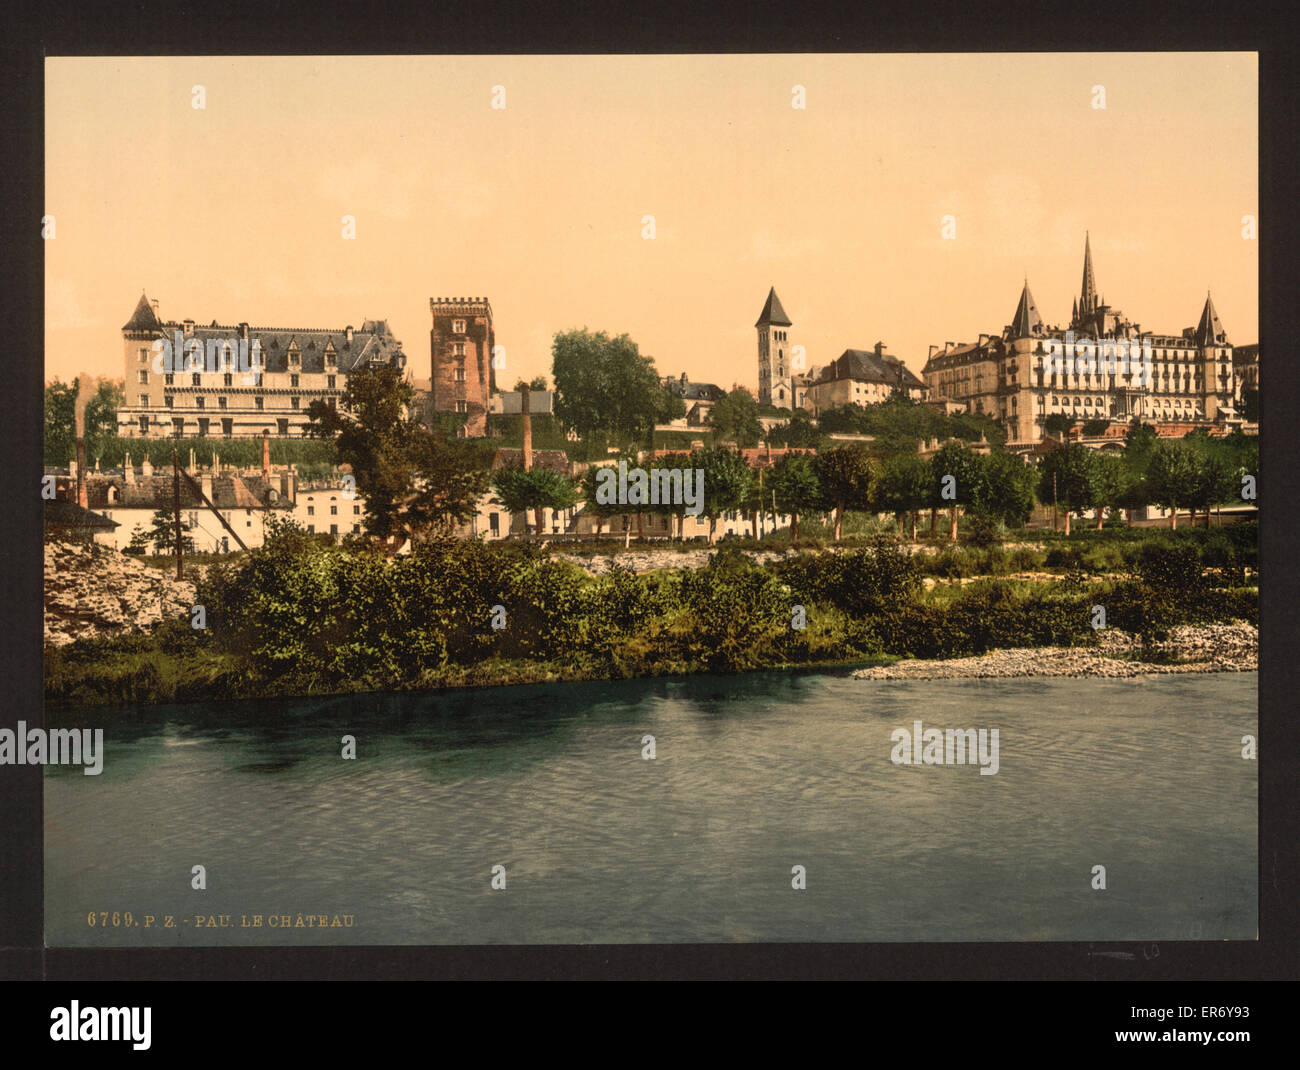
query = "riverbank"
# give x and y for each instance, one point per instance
(1189, 649)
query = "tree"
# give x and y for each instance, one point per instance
(162, 535)
(727, 480)
(537, 383)
(794, 480)
(1216, 480)
(60, 403)
(1058, 424)
(845, 474)
(1111, 481)
(1092, 428)
(604, 384)
(797, 431)
(537, 489)
(139, 543)
(587, 487)
(957, 474)
(904, 488)
(1073, 469)
(100, 417)
(415, 481)
(1006, 488)
(735, 417)
(1173, 478)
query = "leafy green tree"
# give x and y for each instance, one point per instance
(605, 384)
(100, 417)
(537, 383)
(1058, 424)
(1173, 478)
(735, 418)
(540, 488)
(60, 403)
(904, 488)
(1092, 428)
(727, 480)
(162, 535)
(1216, 481)
(586, 490)
(845, 474)
(416, 482)
(1007, 488)
(794, 479)
(1111, 481)
(797, 431)
(957, 474)
(1074, 469)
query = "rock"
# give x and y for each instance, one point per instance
(92, 590)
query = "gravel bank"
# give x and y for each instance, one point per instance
(1199, 648)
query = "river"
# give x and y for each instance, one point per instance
(752, 776)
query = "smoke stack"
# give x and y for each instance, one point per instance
(82, 498)
(266, 454)
(528, 428)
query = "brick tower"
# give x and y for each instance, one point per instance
(461, 342)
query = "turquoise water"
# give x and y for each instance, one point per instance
(753, 775)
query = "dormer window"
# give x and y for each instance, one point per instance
(294, 358)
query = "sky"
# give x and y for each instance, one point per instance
(234, 211)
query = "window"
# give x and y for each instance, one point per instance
(257, 403)
(356, 529)
(294, 359)
(293, 380)
(199, 401)
(196, 379)
(282, 427)
(143, 356)
(460, 349)
(169, 379)
(143, 376)
(228, 379)
(311, 529)
(462, 406)
(329, 381)
(293, 402)
(311, 510)
(356, 510)
(203, 425)
(494, 523)
(460, 375)
(144, 401)
(221, 401)
(458, 326)
(334, 510)
(227, 427)
(334, 529)
(169, 401)
(144, 425)
(178, 426)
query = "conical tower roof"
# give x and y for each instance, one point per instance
(1210, 331)
(773, 315)
(143, 318)
(1026, 320)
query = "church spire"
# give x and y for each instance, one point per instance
(1088, 298)
(773, 315)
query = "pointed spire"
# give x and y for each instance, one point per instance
(1026, 320)
(1210, 331)
(773, 315)
(1088, 298)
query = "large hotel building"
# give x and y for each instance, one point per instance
(238, 381)
(1031, 371)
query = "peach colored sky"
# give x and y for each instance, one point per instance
(234, 212)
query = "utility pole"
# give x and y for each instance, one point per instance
(176, 506)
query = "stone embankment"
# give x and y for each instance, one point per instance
(1196, 648)
(94, 590)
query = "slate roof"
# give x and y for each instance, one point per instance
(773, 314)
(374, 341)
(867, 366)
(689, 391)
(1026, 321)
(156, 492)
(1210, 331)
(61, 513)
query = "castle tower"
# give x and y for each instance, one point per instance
(775, 376)
(461, 342)
(142, 386)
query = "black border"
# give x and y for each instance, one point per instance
(591, 27)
